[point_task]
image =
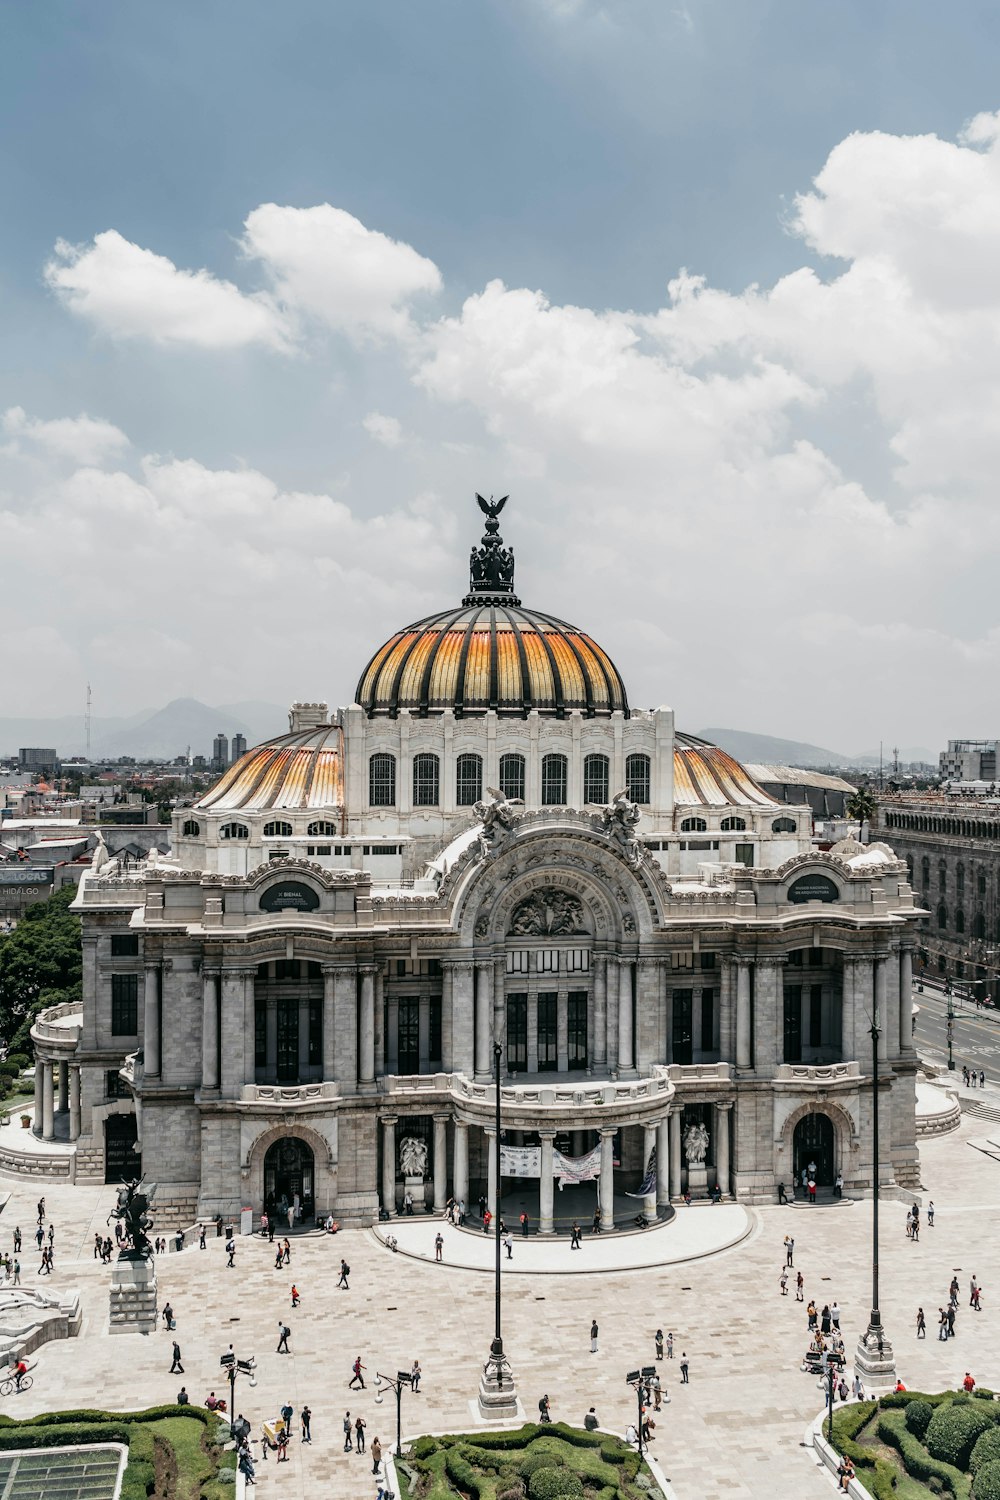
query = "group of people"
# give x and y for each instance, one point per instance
(969, 1076)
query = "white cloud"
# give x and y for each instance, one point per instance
(129, 292)
(385, 430)
(83, 439)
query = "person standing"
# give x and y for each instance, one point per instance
(789, 1250)
(202, 1240)
(684, 1369)
(305, 1417)
(783, 1281)
(975, 1298)
(544, 1415)
(439, 1246)
(930, 1214)
(800, 1282)
(176, 1368)
(835, 1315)
(348, 1431)
(658, 1340)
(973, 1291)
(593, 1336)
(510, 1246)
(590, 1421)
(838, 1186)
(951, 1321)
(359, 1432)
(574, 1236)
(376, 1455)
(231, 1252)
(857, 1388)
(416, 1374)
(524, 1225)
(942, 1323)
(921, 1324)
(286, 1251)
(670, 1346)
(597, 1221)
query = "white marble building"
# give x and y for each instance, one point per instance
(351, 920)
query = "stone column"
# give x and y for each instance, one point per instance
(48, 1114)
(626, 1062)
(63, 1087)
(722, 1172)
(491, 1171)
(74, 1104)
(847, 986)
(303, 1038)
(209, 1030)
(39, 1105)
(562, 1032)
(462, 1020)
(663, 1161)
(484, 1011)
(648, 1147)
(233, 1023)
(768, 1042)
(727, 1011)
(366, 1062)
(151, 1022)
(380, 1022)
(329, 1024)
(611, 1014)
(607, 1189)
(447, 1023)
(345, 1022)
(392, 1040)
(440, 1163)
(905, 999)
(743, 1053)
(881, 1009)
(460, 1172)
(389, 1163)
(675, 1152)
(600, 1011)
(545, 1220)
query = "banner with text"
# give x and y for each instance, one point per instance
(577, 1168)
(520, 1161)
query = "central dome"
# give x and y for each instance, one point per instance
(491, 654)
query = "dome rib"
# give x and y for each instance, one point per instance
(527, 694)
(463, 660)
(432, 656)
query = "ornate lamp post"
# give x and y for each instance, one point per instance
(234, 1367)
(950, 1029)
(637, 1380)
(497, 1395)
(403, 1377)
(874, 1360)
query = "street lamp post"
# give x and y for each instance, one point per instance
(637, 1380)
(874, 1360)
(951, 1032)
(497, 1395)
(830, 1381)
(234, 1367)
(402, 1377)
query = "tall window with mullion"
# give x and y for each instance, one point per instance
(596, 772)
(468, 779)
(124, 1005)
(548, 1054)
(512, 775)
(382, 780)
(637, 777)
(517, 1033)
(426, 780)
(554, 771)
(408, 1035)
(576, 1019)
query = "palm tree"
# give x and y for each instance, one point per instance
(861, 805)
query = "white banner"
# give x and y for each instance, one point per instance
(577, 1168)
(520, 1161)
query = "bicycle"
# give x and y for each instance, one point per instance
(9, 1386)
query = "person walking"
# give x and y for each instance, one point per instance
(975, 1298)
(800, 1282)
(286, 1251)
(921, 1324)
(231, 1252)
(574, 1236)
(973, 1290)
(17, 1272)
(593, 1336)
(658, 1341)
(657, 1390)
(930, 1214)
(857, 1388)
(544, 1415)
(168, 1316)
(942, 1323)
(176, 1367)
(524, 1225)
(305, 1417)
(510, 1246)
(439, 1246)
(376, 1455)
(283, 1332)
(684, 1369)
(345, 1271)
(951, 1321)
(359, 1433)
(296, 1299)
(783, 1281)
(202, 1238)
(348, 1433)
(953, 1291)
(357, 1375)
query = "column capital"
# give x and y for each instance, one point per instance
(152, 966)
(724, 1104)
(367, 971)
(388, 1120)
(608, 1132)
(547, 1135)
(441, 1119)
(485, 963)
(329, 968)
(458, 965)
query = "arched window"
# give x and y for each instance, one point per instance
(942, 877)
(596, 773)
(234, 831)
(942, 918)
(694, 825)
(979, 927)
(960, 920)
(783, 825)
(322, 830)
(426, 780)
(277, 830)
(960, 879)
(909, 868)
(637, 777)
(468, 779)
(512, 775)
(981, 884)
(191, 829)
(734, 825)
(553, 780)
(925, 871)
(382, 780)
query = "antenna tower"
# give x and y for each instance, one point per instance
(87, 721)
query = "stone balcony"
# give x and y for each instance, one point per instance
(539, 1102)
(286, 1095)
(817, 1073)
(56, 1031)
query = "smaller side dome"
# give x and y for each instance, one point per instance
(706, 776)
(300, 770)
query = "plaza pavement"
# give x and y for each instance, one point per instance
(734, 1432)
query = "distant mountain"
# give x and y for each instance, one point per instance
(771, 751)
(162, 734)
(67, 734)
(263, 720)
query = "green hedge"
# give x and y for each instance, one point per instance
(461, 1472)
(919, 1463)
(986, 1450)
(554, 1483)
(953, 1430)
(917, 1417)
(903, 1398)
(986, 1485)
(538, 1458)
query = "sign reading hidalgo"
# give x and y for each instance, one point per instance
(289, 895)
(813, 888)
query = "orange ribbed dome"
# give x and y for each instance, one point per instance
(496, 655)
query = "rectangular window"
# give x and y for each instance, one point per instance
(548, 1059)
(682, 1002)
(382, 780)
(115, 1087)
(315, 1033)
(434, 1030)
(468, 779)
(793, 1023)
(408, 1035)
(517, 1033)
(596, 772)
(708, 960)
(554, 772)
(578, 961)
(402, 967)
(288, 1040)
(518, 961)
(708, 1020)
(576, 1015)
(124, 945)
(260, 1034)
(683, 960)
(426, 774)
(815, 1015)
(548, 960)
(744, 855)
(512, 775)
(124, 1005)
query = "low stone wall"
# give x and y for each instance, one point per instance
(37, 1164)
(27, 1328)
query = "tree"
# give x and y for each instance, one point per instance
(40, 964)
(861, 805)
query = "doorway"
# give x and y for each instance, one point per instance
(813, 1144)
(289, 1177)
(122, 1162)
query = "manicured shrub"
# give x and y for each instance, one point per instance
(461, 1472)
(538, 1458)
(987, 1449)
(983, 1392)
(986, 1485)
(918, 1416)
(953, 1430)
(423, 1447)
(139, 1479)
(555, 1484)
(903, 1398)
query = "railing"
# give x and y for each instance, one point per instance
(703, 1072)
(60, 1023)
(817, 1072)
(288, 1093)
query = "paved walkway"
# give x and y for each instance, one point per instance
(734, 1432)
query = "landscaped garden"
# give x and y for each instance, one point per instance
(174, 1452)
(907, 1446)
(549, 1462)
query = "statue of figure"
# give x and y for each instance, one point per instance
(696, 1144)
(491, 564)
(134, 1209)
(497, 817)
(100, 856)
(619, 819)
(413, 1157)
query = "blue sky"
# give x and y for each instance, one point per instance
(584, 152)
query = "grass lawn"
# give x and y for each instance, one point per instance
(936, 1455)
(547, 1462)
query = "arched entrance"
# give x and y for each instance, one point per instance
(813, 1144)
(122, 1162)
(289, 1177)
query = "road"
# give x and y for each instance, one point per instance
(976, 1041)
